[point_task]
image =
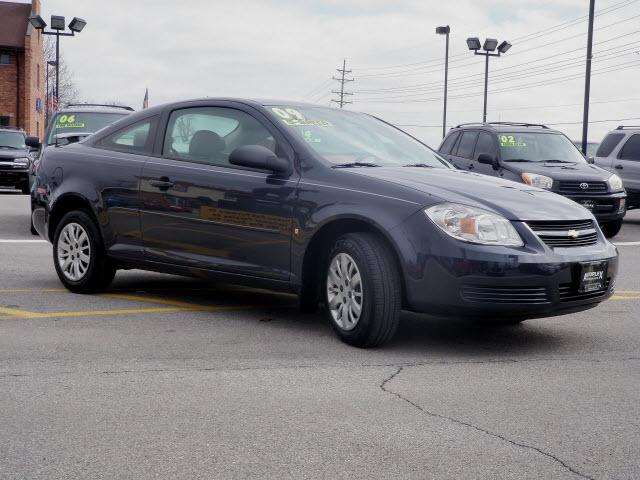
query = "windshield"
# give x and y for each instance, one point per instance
(80, 122)
(538, 147)
(12, 141)
(350, 138)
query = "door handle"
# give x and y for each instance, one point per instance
(163, 183)
(618, 167)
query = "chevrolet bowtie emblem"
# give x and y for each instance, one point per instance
(573, 233)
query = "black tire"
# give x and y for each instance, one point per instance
(100, 271)
(611, 229)
(33, 229)
(25, 189)
(380, 287)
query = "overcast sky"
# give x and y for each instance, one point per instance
(289, 49)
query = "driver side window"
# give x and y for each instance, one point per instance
(209, 134)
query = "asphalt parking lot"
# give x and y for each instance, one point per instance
(165, 377)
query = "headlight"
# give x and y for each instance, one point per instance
(536, 180)
(615, 183)
(23, 160)
(474, 225)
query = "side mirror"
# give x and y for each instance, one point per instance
(257, 156)
(32, 142)
(591, 160)
(489, 160)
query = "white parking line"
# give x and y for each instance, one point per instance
(22, 241)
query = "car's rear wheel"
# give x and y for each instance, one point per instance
(611, 229)
(362, 290)
(79, 256)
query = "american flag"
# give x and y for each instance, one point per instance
(145, 102)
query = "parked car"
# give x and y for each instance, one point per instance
(15, 159)
(540, 157)
(334, 205)
(619, 152)
(592, 147)
(77, 121)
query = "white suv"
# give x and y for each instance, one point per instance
(619, 153)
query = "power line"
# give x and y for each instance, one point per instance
(525, 38)
(317, 88)
(342, 79)
(558, 123)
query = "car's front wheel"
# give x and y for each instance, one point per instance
(362, 290)
(611, 229)
(79, 256)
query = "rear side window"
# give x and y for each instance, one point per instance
(610, 142)
(631, 149)
(486, 144)
(448, 143)
(136, 138)
(467, 144)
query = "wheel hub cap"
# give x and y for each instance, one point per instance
(74, 252)
(344, 291)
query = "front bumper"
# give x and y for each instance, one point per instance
(606, 207)
(450, 277)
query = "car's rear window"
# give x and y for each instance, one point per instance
(80, 122)
(610, 142)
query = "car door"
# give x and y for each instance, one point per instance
(200, 211)
(462, 155)
(604, 157)
(627, 164)
(486, 144)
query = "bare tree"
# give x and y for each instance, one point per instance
(68, 90)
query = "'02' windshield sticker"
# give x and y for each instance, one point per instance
(293, 117)
(510, 141)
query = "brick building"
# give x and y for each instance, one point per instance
(21, 68)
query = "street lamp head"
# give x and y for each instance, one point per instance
(443, 30)
(504, 47)
(37, 22)
(57, 22)
(473, 43)
(77, 24)
(490, 44)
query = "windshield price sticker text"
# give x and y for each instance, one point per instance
(510, 141)
(293, 117)
(68, 121)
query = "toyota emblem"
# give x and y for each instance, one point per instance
(584, 185)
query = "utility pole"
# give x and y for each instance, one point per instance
(587, 80)
(342, 79)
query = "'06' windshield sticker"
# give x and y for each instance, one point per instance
(68, 121)
(294, 118)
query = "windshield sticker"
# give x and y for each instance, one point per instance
(68, 121)
(309, 138)
(293, 117)
(510, 141)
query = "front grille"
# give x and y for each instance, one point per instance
(505, 295)
(565, 234)
(578, 187)
(568, 292)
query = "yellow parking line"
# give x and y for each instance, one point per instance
(15, 312)
(159, 301)
(625, 297)
(628, 291)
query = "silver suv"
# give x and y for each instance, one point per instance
(619, 153)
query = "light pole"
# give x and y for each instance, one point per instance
(57, 26)
(445, 31)
(587, 80)
(490, 45)
(50, 63)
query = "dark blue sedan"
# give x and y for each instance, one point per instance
(337, 206)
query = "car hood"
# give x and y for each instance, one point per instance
(560, 171)
(11, 154)
(513, 200)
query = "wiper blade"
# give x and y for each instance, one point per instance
(518, 160)
(355, 164)
(557, 161)
(421, 165)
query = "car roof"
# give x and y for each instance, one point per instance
(498, 127)
(96, 109)
(13, 129)
(626, 128)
